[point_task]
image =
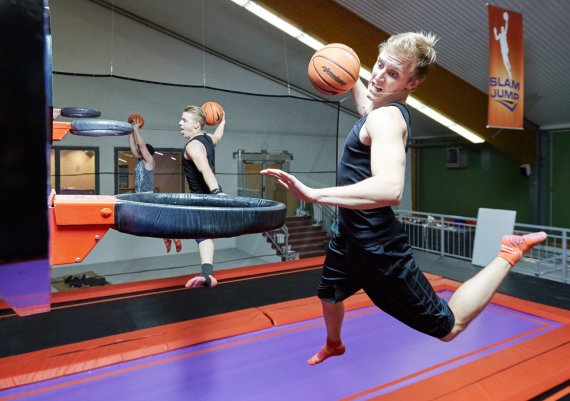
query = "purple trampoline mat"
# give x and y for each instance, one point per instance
(382, 356)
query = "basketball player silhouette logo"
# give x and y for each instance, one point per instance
(501, 36)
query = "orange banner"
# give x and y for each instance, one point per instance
(506, 69)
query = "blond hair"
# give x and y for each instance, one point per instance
(197, 114)
(416, 46)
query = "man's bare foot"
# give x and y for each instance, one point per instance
(332, 348)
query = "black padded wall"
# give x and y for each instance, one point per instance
(25, 126)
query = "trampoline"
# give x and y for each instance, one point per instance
(256, 347)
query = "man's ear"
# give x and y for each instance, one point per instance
(414, 83)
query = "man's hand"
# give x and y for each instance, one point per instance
(292, 184)
(136, 123)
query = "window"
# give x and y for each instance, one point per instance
(74, 170)
(168, 172)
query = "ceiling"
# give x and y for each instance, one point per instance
(230, 31)
(464, 44)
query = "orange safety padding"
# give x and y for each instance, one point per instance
(308, 308)
(79, 357)
(71, 244)
(529, 307)
(558, 395)
(80, 210)
(523, 381)
(77, 223)
(60, 129)
(537, 358)
(432, 277)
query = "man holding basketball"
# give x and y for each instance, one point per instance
(144, 170)
(371, 251)
(199, 167)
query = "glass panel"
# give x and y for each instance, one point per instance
(167, 171)
(77, 172)
(126, 163)
(273, 190)
(253, 181)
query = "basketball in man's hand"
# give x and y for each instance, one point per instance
(334, 69)
(214, 112)
(134, 117)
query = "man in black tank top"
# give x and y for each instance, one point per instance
(371, 251)
(199, 169)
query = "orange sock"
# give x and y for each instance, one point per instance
(332, 348)
(513, 247)
(168, 244)
(178, 244)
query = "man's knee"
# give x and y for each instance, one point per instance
(457, 329)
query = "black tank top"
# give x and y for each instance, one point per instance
(372, 225)
(193, 175)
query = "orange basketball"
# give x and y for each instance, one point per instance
(334, 69)
(214, 112)
(134, 117)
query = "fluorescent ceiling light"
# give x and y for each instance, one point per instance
(313, 43)
(158, 153)
(443, 120)
(173, 158)
(310, 41)
(365, 74)
(280, 23)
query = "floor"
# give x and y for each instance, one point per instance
(197, 376)
(270, 363)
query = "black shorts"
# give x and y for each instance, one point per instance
(388, 274)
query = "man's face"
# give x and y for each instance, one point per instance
(188, 125)
(391, 75)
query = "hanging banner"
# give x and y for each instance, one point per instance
(506, 69)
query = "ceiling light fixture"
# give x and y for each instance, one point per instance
(313, 43)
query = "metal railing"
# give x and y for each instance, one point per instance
(454, 236)
(326, 217)
(280, 238)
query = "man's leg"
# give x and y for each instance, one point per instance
(334, 315)
(205, 279)
(473, 295)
